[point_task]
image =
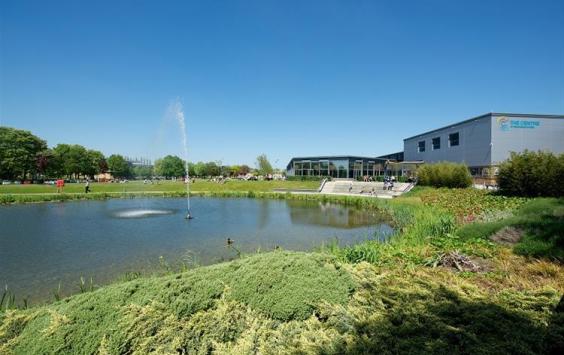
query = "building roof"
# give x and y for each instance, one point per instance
(490, 114)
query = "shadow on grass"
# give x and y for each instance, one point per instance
(441, 322)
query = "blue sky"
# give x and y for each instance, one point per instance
(285, 78)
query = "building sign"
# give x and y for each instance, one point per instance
(505, 124)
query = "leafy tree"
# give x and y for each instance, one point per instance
(212, 169)
(263, 165)
(18, 152)
(118, 166)
(170, 166)
(44, 162)
(94, 163)
(244, 169)
(225, 170)
(142, 172)
(532, 174)
(234, 170)
(200, 169)
(71, 159)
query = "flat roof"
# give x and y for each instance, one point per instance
(487, 115)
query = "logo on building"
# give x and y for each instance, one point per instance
(505, 124)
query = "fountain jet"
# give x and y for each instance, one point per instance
(178, 111)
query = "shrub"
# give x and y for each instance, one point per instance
(444, 174)
(532, 174)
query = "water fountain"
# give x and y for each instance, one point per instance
(178, 111)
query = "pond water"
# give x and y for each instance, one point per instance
(42, 245)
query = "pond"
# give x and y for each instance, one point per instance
(44, 245)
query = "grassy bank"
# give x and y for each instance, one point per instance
(100, 191)
(405, 296)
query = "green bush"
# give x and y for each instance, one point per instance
(532, 174)
(444, 174)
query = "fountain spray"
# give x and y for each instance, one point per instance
(178, 111)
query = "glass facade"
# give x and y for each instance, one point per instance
(338, 167)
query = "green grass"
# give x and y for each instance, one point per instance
(542, 221)
(163, 186)
(100, 191)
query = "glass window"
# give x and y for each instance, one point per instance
(323, 167)
(436, 143)
(453, 139)
(421, 146)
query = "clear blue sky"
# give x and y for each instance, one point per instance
(285, 78)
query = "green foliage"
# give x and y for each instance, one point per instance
(263, 165)
(542, 221)
(532, 174)
(295, 286)
(444, 174)
(19, 152)
(142, 172)
(118, 166)
(170, 166)
(467, 203)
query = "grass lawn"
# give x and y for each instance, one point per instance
(99, 191)
(404, 296)
(164, 186)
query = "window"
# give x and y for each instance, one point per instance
(421, 146)
(453, 139)
(436, 143)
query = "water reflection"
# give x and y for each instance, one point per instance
(332, 215)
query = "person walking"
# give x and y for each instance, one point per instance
(87, 186)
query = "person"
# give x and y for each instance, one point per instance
(87, 186)
(350, 187)
(60, 185)
(385, 183)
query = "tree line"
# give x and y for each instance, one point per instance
(26, 156)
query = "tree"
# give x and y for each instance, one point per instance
(234, 170)
(94, 163)
(170, 166)
(211, 169)
(142, 172)
(71, 159)
(200, 169)
(44, 162)
(118, 166)
(263, 165)
(18, 152)
(244, 169)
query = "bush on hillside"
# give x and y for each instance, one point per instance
(444, 174)
(532, 174)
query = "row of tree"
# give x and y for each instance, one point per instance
(26, 156)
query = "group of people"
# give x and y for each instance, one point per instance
(389, 183)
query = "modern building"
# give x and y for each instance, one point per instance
(481, 142)
(344, 167)
(485, 141)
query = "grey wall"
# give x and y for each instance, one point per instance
(474, 148)
(520, 133)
